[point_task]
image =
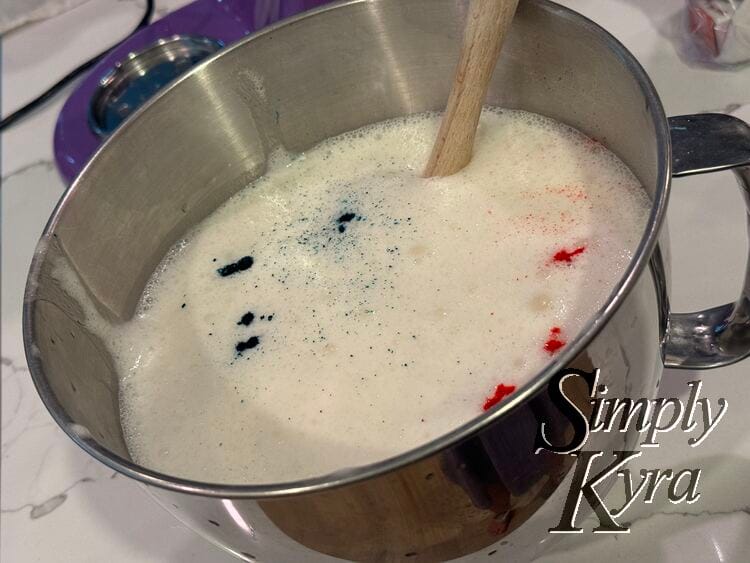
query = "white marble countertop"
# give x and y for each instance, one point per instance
(60, 505)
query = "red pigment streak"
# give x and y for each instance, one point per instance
(541, 223)
(571, 192)
(554, 342)
(501, 391)
(565, 256)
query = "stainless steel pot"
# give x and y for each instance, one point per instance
(481, 489)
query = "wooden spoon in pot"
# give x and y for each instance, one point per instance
(486, 27)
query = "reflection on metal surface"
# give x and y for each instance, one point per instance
(444, 507)
(133, 81)
(237, 517)
(719, 336)
(708, 142)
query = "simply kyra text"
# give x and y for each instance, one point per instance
(696, 417)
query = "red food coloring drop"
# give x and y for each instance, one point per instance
(554, 342)
(501, 391)
(565, 256)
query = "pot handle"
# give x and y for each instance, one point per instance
(719, 336)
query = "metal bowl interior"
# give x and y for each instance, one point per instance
(209, 134)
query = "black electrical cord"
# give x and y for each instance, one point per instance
(65, 80)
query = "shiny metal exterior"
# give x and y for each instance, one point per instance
(718, 336)
(479, 490)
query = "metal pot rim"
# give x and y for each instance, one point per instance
(346, 477)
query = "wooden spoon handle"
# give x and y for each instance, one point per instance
(486, 27)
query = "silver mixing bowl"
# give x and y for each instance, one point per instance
(480, 489)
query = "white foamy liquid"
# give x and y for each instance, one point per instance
(383, 336)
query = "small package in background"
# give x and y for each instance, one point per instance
(718, 31)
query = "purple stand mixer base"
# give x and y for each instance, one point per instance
(224, 21)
